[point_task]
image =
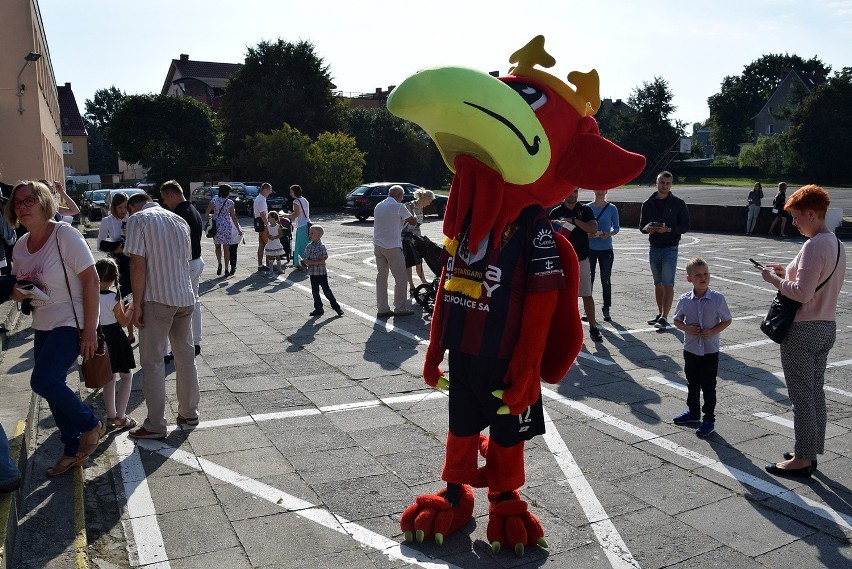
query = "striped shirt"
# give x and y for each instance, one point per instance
(162, 238)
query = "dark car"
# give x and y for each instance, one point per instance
(200, 197)
(245, 201)
(93, 202)
(361, 201)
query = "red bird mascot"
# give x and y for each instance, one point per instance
(506, 307)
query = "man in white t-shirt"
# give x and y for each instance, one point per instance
(260, 211)
(390, 216)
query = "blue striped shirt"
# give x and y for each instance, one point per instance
(704, 312)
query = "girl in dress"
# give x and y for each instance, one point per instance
(273, 248)
(113, 318)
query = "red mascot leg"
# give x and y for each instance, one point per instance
(510, 523)
(432, 515)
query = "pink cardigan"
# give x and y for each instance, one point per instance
(808, 269)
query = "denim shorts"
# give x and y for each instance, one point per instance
(663, 264)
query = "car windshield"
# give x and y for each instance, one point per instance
(360, 191)
(251, 192)
(98, 195)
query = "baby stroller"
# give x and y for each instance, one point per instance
(287, 238)
(434, 257)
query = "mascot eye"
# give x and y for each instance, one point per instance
(534, 96)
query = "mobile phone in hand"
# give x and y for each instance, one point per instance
(756, 264)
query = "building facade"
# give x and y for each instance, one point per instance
(75, 139)
(30, 143)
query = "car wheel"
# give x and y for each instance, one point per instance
(361, 217)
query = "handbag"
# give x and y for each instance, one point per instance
(782, 312)
(96, 370)
(211, 228)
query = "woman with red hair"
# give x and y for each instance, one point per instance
(804, 352)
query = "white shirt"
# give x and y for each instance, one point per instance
(389, 217)
(44, 269)
(305, 214)
(112, 229)
(108, 301)
(260, 206)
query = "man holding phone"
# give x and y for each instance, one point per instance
(664, 218)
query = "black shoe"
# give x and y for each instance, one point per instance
(654, 319)
(317, 313)
(789, 455)
(197, 350)
(804, 472)
(10, 486)
(595, 334)
(606, 315)
(219, 270)
(584, 318)
(339, 311)
(167, 359)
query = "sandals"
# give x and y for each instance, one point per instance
(127, 423)
(66, 463)
(89, 440)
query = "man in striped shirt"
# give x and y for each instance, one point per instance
(158, 243)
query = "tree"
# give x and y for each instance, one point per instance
(103, 158)
(337, 166)
(280, 82)
(741, 97)
(650, 131)
(280, 156)
(168, 135)
(819, 128)
(767, 154)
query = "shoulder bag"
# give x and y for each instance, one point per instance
(97, 370)
(308, 222)
(212, 225)
(782, 311)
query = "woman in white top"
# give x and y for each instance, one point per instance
(55, 259)
(111, 241)
(413, 259)
(301, 216)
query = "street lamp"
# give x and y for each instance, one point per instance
(30, 57)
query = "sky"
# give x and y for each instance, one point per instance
(96, 44)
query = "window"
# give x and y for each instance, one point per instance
(67, 148)
(770, 129)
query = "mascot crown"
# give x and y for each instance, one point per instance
(586, 99)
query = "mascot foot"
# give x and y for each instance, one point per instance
(511, 524)
(434, 516)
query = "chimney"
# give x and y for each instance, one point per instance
(378, 90)
(391, 88)
(184, 57)
(67, 85)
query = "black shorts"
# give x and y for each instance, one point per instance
(473, 407)
(412, 257)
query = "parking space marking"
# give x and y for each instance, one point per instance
(768, 487)
(774, 419)
(299, 507)
(668, 382)
(607, 535)
(734, 347)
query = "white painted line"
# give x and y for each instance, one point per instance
(734, 347)
(607, 535)
(347, 277)
(668, 383)
(139, 507)
(840, 363)
(837, 391)
(602, 361)
(774, 419)
(742, 477)
(303, 508)
(365, 283)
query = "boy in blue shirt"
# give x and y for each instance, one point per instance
(701, 315)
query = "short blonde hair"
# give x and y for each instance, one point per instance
(316, 227)
(693, 263)
(42, 194)
(423, 193)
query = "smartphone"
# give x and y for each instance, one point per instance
(756, 264)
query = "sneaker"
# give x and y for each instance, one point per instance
(404, 312)
(662, 324)
(11, 485)
(339, 311)
(143, 433)
(606, 315)
(686, 417)
(262, 269)
(387, 314)
(706, 429)
(317, 313)
(595, 334)
(184, 421)
(655, 319)
(584, 318)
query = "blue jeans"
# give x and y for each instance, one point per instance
(8, 469)
(606, 258)
(55, 351)
(663, 264)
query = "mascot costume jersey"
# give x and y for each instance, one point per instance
(506, 307)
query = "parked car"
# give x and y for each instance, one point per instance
(361, 201)
(108, 197)
(201, 196)
(245, 203)
(92, 206)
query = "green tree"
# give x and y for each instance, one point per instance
(103, 159)
(741, 97)
(280, 82)
(168, 135)
(819, 127)
(279, 156)
(651, 130)
(767, 154)
(337, 166)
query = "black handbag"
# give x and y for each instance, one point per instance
(782, 312)
(211, 228)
